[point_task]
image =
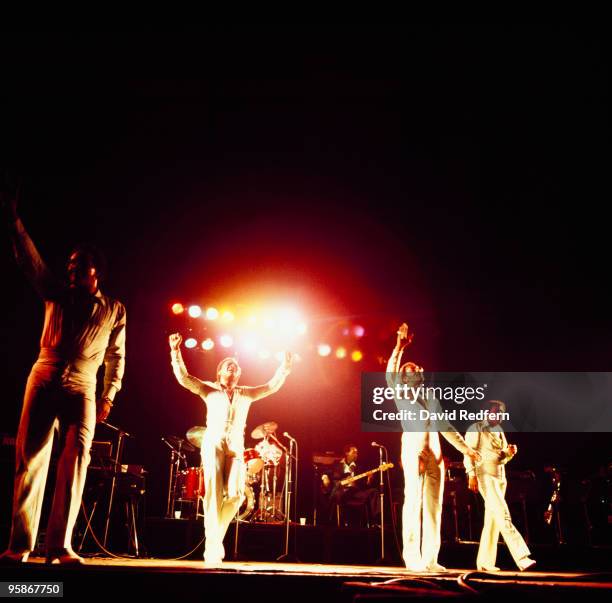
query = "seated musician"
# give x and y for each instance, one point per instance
(360, 491)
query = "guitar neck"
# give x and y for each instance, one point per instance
(354, 478)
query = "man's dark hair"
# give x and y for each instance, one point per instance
(348, 448)
(94, 256)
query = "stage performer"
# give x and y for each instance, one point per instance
(83, 328)
(227, 407)
(421, 453)
(360, 492)
(489, 477)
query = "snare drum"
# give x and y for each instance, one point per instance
(253, 461)
(190, 483)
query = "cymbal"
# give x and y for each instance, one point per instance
(180, 443)
(261, 431)
(195, 435)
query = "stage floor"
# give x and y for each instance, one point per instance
(291, 582)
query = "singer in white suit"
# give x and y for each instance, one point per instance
(489, 477)
(227, 407)
(421, 454)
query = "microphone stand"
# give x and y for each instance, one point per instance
(176, 457)
(289, 457)
(381, 493)
(116, 462)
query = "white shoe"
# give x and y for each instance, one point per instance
(435, 567)
(492, 568)
(415, 566)
(526, 563)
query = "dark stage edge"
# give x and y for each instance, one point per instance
(128, 579)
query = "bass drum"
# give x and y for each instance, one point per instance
(248, 504)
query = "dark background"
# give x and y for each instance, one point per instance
(448, 175)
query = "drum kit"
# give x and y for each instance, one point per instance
(264, 487)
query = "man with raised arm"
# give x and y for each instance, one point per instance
(227, 407)
(421, 449)
(83, 328)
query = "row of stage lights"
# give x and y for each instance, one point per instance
(283, 322)
(227, 341)
(286, 320)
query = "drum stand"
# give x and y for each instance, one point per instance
(176, 456)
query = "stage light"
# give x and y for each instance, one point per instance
(208, 344)
(280, 356)
(346, 332)
(356, 356)
(269, 323)
(212, 313)
(252, 320)
(227, 316)
(191, 343)
(324, 349)
(358, 331)
(177, 308)
(227, 341)
(264, 354)
(341, 353)
(301, 328)
(195, 311)
(249, 344)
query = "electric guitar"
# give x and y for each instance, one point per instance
(341, 485)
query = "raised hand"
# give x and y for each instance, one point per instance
(288, 360)
(404, 337)
(175, 341)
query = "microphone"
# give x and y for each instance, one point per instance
(376, 445)
(125, 433)
(289, 437)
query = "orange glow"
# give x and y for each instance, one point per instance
(356, 356)
(177, 308)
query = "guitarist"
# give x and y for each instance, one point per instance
(355, 493)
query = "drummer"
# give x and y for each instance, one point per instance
(227, 406)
